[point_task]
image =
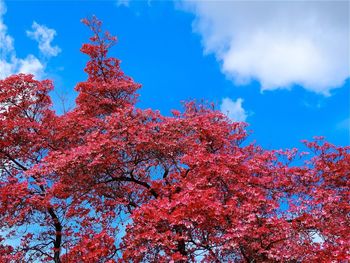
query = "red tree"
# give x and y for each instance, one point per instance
(108, 182)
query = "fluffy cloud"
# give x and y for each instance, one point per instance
(44, 36)
(10, 63)
(233, 109)
(6, 42)
(278, 43)
(30, 64)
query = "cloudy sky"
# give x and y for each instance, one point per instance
(281, 66)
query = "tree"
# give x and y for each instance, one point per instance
(108, 182)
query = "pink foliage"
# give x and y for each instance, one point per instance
(175, 189)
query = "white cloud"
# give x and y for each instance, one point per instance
(6, 42)
(10, 63)
(233, 109)
(44, 36)
(28, 65)
(278, 43)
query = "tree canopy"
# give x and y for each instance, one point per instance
(109, 182)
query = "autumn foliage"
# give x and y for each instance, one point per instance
(108, 182)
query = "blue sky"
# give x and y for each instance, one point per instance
(264, 63)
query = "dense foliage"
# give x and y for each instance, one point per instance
(108, 182)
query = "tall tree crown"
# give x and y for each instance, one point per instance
(108, 182)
